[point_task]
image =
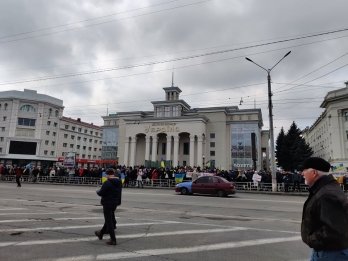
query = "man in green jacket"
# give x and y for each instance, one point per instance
(325, 213)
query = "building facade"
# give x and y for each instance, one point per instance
(175, 134)
(33, 129)
(328, 136)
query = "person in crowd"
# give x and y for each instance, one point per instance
(296, 178)
(19, 174)
(324, 225)
(140, 178)
(111, 194)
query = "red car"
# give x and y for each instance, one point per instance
(213, 185)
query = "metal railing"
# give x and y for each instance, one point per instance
(150, 183)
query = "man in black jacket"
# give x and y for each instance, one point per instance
(325, 213)
(110, 192)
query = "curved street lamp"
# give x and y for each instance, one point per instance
(270, 107)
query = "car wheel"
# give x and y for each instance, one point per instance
(221, 193)
(184, 191)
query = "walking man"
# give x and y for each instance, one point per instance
(110, 192)
(324, 225)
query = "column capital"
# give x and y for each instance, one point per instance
(192, 138)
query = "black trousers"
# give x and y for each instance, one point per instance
(18, 180)
(109, 222)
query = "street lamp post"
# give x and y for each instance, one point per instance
(270, 107)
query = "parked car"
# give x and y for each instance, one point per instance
(213, 185)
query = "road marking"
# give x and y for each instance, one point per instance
(130, 236)
(197, 214)
(48, 219)
(12, 208)
(183, 250)
(36, 213)
(83, 226)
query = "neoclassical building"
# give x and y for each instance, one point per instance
(328, 136)
(175, 133)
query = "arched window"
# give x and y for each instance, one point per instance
(27, 108)
(5, 107)
(57, 113)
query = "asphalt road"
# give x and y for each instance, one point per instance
(50, 222)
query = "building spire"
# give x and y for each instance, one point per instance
(173, 79)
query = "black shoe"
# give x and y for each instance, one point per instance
(111, 243)
(98, 234)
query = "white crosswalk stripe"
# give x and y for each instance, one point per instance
(138, 235)
(183, 250)
(11, 230)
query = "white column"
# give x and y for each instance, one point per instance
(126, 148)
(169, 147)
(147, 148)
(132, 154)
(176, 151)
(192, 150)
(199, 151)
(154, 148)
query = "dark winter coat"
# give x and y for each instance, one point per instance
(111, 192)
(325, 216)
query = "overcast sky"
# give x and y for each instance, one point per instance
(115, 56)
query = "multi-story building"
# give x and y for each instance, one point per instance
(32, 129)
(328, 136)
(175, 133)
(84, 139)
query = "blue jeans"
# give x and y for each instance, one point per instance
(340, 255)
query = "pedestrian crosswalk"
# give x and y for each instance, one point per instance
(64, 231)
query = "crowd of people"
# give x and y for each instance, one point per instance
(139, 175)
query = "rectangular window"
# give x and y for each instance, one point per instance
(73, 128)
(79, 129)
(55, 124)
(0, 150)
(346, 115)
(90, 140)
(65, 136)
(71, 145)
(84, 147)
(72, 137)
(47, 132)
(83, 156)
(4, 118)
(65, 145)
(54, 134)
(1, 138)
(26, 122)
(45, 152)
(186, 148)
(95, 149)
(52, 153)
(89, 148)
(78, 147)
(212, 153)
(212, 135)
(66, 127)
(78, 138)
(48, 123)
(95, 141)
(212, 144)
(85, 130)
(46, 142)
(84, 139)
(53, 143)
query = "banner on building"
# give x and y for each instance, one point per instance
(69, 160)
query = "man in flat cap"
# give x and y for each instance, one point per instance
(324, 225)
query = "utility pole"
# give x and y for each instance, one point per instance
(270, 107)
